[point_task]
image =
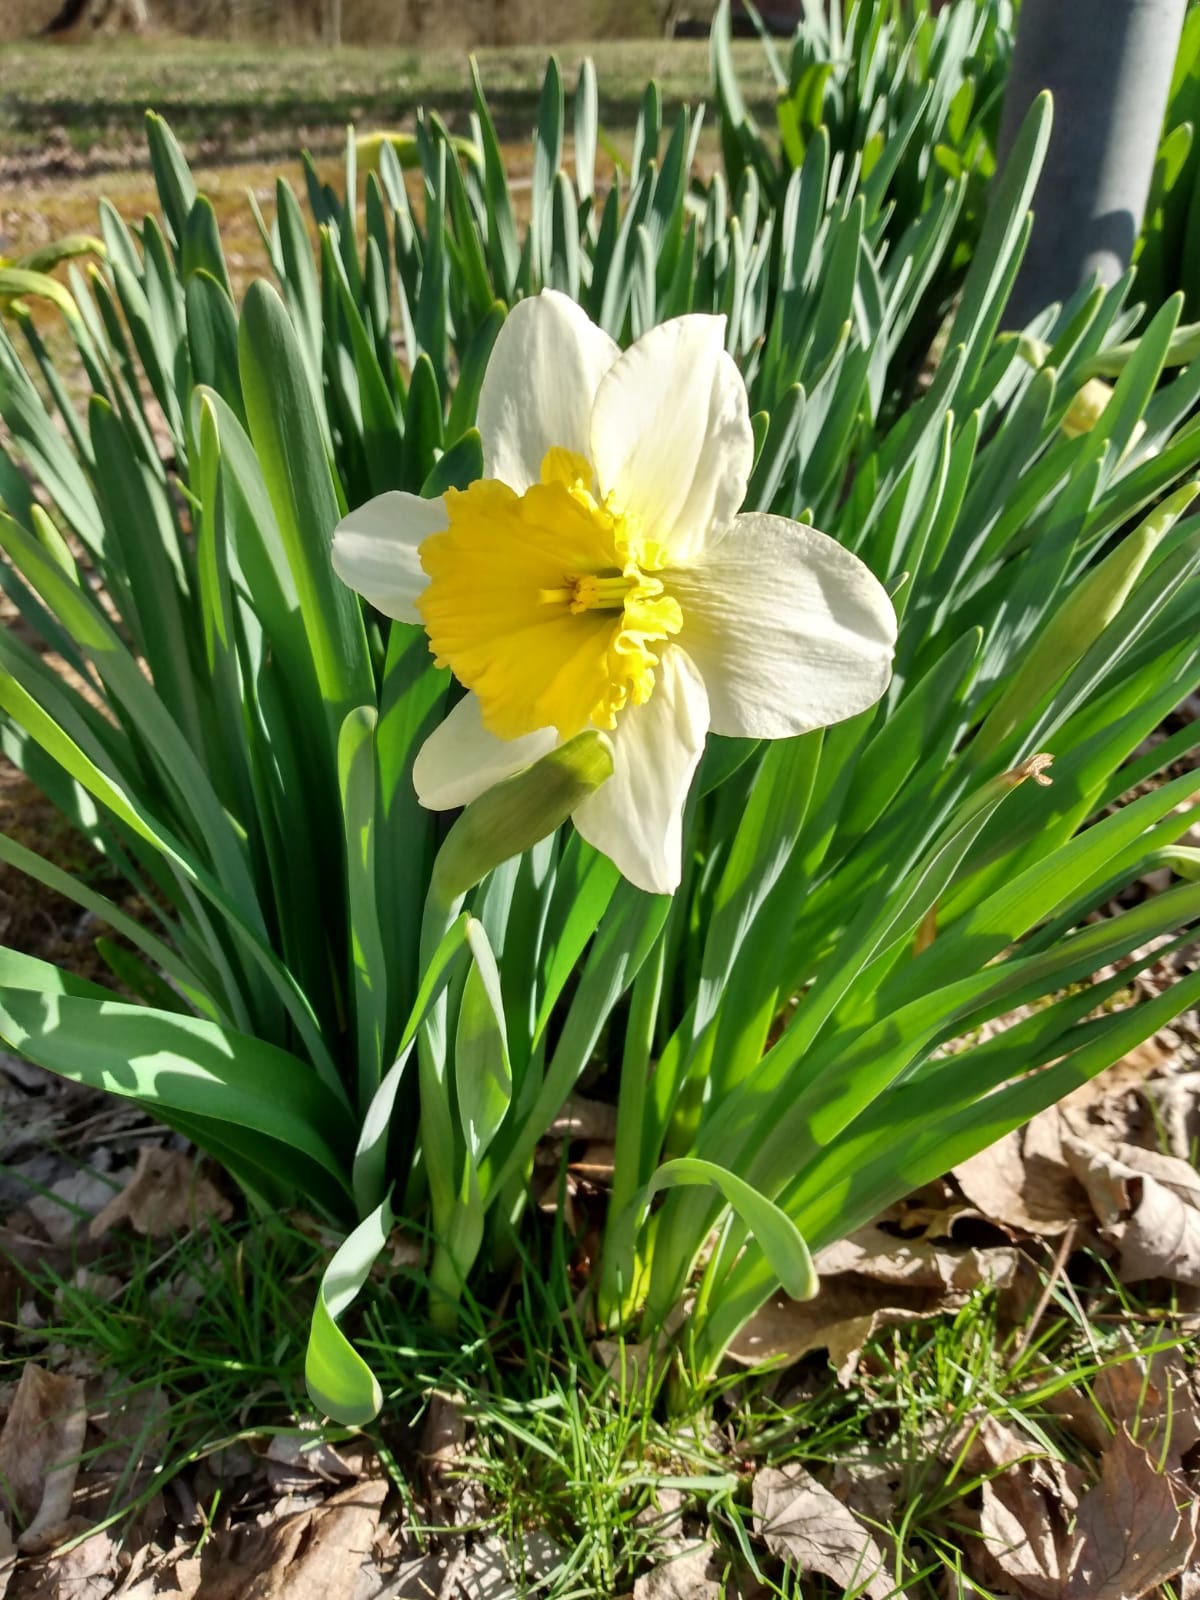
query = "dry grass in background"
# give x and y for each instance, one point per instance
(413, 23)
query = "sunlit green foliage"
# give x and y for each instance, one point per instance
(309, 1001)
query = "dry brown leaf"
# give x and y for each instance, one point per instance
(931, 1211)
(596, 1162)
(58, 1210)
(1155, 1399)
(869, 1280)
(663, 1518)
(1146, 1204)
(981, 1445)
(868, 1489)
(39, 1453)
(584, 1119)
(405, 1250)
(844, 1315)
(632, 1366)
(299, 1461)
(1178, 1175)
(686, 1576)
(154, 1570)
(1176, 1102)
(87, 1571)
(166, 1194)
(871, 1253)
(1023, 1181)
(1024, 1533)
(1134, 1530)
(493, 1569)
(8, 1555)
(443, 1442)
(802, 1522)
(177, 1581)
(315, 1555)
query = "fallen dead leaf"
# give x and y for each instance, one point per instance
(8, 1555)
(39, 1453)
(584, 1119)
(58, 1211)
(981, 1445)
(1023, 1181)
(1024, 1533)
(314, 1555)
(869, 1280)
(443, 1442)
(1147, 1205)
(596, 1162)
(882, 1257)
(844, 1315)
(404, 1249)
(299, 1461)
(802, 1522)
(87, 1571)
(1156, 1399)
(931, 1211)
(497, 1570)
(154, 1570)
(166, 1194)
(688, 1575)
(1134, 1530)
(1176, 1102)
(179, 1580)
(869, 1489)
(663, 1520)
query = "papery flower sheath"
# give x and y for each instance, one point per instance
(601, 575)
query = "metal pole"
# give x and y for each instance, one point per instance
(1108, 64)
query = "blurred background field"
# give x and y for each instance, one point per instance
(247, 87)
(368, 22)
(81, 105)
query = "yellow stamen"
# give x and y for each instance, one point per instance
(544, 603)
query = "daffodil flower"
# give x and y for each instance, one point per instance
(601, 575)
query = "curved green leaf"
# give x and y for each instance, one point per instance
(340, 1382)
(779, 1239)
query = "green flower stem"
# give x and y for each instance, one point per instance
(438, 1140)
(618, 1271)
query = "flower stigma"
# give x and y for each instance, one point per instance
(546, 604)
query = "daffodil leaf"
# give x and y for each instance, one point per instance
(776, 1234)
(456, 467)
(339, 1381)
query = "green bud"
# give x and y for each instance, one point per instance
(1111, 363)
(1085, 409)
(1183, 860)
(1080, 619)
(515, 814)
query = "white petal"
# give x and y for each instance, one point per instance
(545, 367)
(636, 817)
(671, 435)
(789, 630)
(375, 550)
(460, 758)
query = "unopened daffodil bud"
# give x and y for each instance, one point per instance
(517, 813)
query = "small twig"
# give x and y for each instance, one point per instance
(453, 1574)
(1056, 1272)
